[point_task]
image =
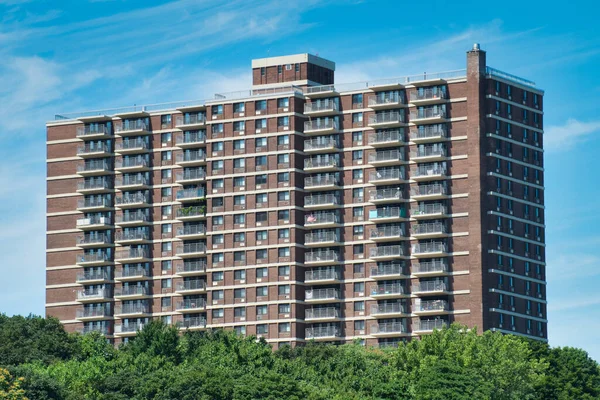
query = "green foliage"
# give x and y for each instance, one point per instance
(162, 364)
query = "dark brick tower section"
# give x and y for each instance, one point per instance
(299, 69)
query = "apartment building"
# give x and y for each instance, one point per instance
(305, 210)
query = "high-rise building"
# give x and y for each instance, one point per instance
(302, 209)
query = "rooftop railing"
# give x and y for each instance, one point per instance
(505, 75)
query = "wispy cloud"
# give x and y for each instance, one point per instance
(569, 134)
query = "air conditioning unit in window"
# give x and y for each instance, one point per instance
(258, 130)
(514, 328)
(529, 331)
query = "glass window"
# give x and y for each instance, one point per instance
(261, 235)
(217, 295)
(284, 308)
(359, 325)
(260, 142)
(283, 177)
(359, 287)
(262, 291)
(357, 174)
(357, 155)
(261, 105)
(239, 163)
(283, 215)
(165, 137)
(358, 212)
(218, 313)
(285, 327)
(166, 265)
(217, 220)
(218, 258)
(261, 254)
(357, 98)
(357, 137)
(239, 274)
(261, 216)
(260, 123)
(239, 237)
(261, 198)
(239, 293)
(284, 270)
(166, 283)
(283, 102)
(165, 119)
(283, 121)
(217, 202)
(283, 252)
(262, 310)
(165, 173)
(283, 196)
(218, 239)
(217, 109)
(217, 276)
(262, 272)
(165, 302)
(262, 329)
(357, 117)
(263, 71)
(239, 312)
(358, 249)
(359, 268)
(261, 160)
(283, 233)
(239, 107)
(283, 290)
(239, 144)
(283, 140)
(239, 181)
(218, 183)
(166, 192)
(167, 246)
(166, 210)
(239, 126)
(239, 200)
(239, 256)
(283, 159)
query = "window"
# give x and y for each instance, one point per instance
(508, 109)
(239, 181)
(218, 183)
(284, 327)
(359, 287)
(283, 233)
(357, 137)
(217, 202)
(218, 312)
(358, 212)
(357, 155)
(239, 275)
(283, 251)
(283, 215)
(239, 126)
(239, 256)
(166, 192)
(260, 160)
(239, 200)
(283, 102)
(239, 107)
(357, 174)
(218, 258)
(263, 71)
(166, 246)
(217, 146)
(261, 105)
(262, 329)
(218, 239)
(509, 90)
(358, 249)
(358, 193)
(217, 220)
(262, 310)
(262, 272)
(357, 117)
(283, 290)
(239, 144)
(279, 69)
(283, 140)
(262, 291)
(260, 123)
(497, 87)
(166, 173)
(261, 216)
(283, 196)
(283, 158)
(217, 295)
(217, 276)
(261, 235)
(288, 67)
(357, 98)
(217, 165)
(239, 237)
(358, 268)
(239, 312)
(165, 137)
(165, 119)
(284, 308)
(283, 177)
(166, 210)
(217, 109)
(165, 302)
(260, 142)
(359, 325)
(297, 67)
(166, 283)
(283, 270)
(261, 198)
(358, 230)
(239, 293)
(166, 265)
(261, 254)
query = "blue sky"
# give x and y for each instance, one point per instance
(79, 55)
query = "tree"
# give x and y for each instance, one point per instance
(10, 389)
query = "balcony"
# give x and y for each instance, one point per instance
(192, 213)
(429, 288)
(322, 295)
(386, 176)
(132, 310)
(320, 91)
(387, 214)
(94, 222)
(191, 158)
(321, 314)
(428, 96)
(321, 257)
(323, 333)
(103, 330)
(94, 149)
(94, 295)
(431, 307)
(320, 126)
(191, 287)
(192, 323)
(322, 108)
(191, 231)
(93, 259)
(190, 121)
(329, 238)
(429, 172)
(388, 270)
(321, 164)
(321, 220)
(429, 134)
(132, 164)
(429, 153)
(428, 192)
(95, 240)
(93, 186)
(430, 268)
(134, 146)
(132, 254)
(386, 233)
(424, 211)
(90, 132)
(386, 252)
(428, 115)
(321, 201)
(94, 167)
(326, 275)
(132, 274)
(131, 329)
(428, 230)
(190, 139)
(320, 145)
(429, 325)
(429, 249)
(382, 196)
(386, 157)
(388, 329)
(190, 305)
(195, 194)
(93, 313)
(191, 249)
(93, 276)
(132, 200)
(321, 182)
(386, 290)
(386, 138)
(383, 101)
(131, 182)
(386, 119)
(132, 128)
(132, 292)
(94, 204)
(188, 267)
(132, 219)
(388, 310)
(131, 237)
(190, 176)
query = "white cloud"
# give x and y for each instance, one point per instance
(571, 133)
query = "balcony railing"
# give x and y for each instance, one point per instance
(191, 174)
(429, 247)
(320, 106)
(132, 309)
(191, 266)
(132, 199)
(94, 220)
(429, 286)
(322, 294)
(196, 229)
(383, 99)
(386, 156)
(321, 162)
(190, 304)
(94, 184)
(429, 190)
(190, 119)
(191, 156)
(132, 145)
(132, 163)
(429, 170)
(195, 211)
(322, 313)
(422, 113)
(385, 194)
(386, 118)
(321, 218)
(387, 251)
(93, 293)
(428, 209)
(387, 212)
(131, 180)
(92, 312)
(191, 248)
(428, 94)
(132, 291)
(431, 324)
(136, 125)
(430, 267)
(321, 199)
(318, 144)
(322, 331)
(93, 328)
(93, 147)
(195, 322)
(138, 252)
(389, 327)
(93, 257)
(93, 202)
(190, 138)
(432, 305)
(428, 151)
(190, 193)
(429, 131)
(321, 237)
(131, 327)
(93, 239)
(431, 228)
(93, 275)
(317, 125)
(387, 289)
(132, 217)
(388, 308)
(132, 272)
(94, 165)
(322, 275)
(321, 180)
(391, 136)
(388, 270)
(88, 130)
(132, 235)
(197, 284)
(386, 174)
(386, 232)
(323, 255)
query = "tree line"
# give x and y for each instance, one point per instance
(39, 360)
